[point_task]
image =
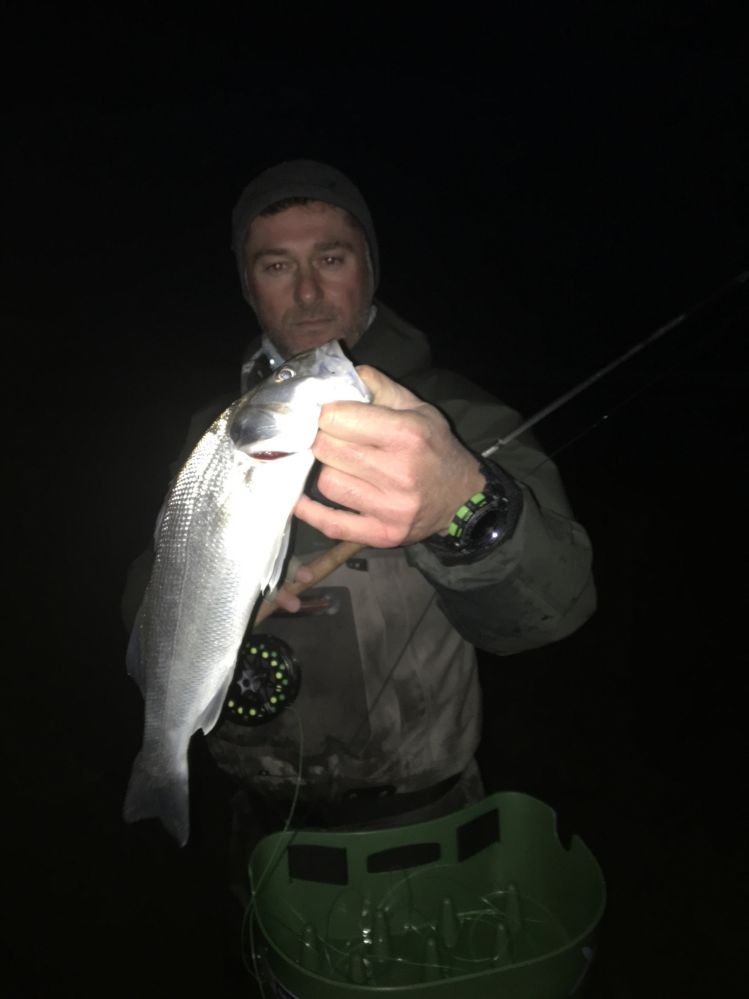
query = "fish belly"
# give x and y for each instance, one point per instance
(223, 530)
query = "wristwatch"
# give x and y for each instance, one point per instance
(483, 522)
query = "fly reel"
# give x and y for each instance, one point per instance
(266, 680)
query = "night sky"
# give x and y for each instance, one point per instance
(548, 189)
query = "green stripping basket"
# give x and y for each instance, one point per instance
(485, 902)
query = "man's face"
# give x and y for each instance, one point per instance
(308, 276)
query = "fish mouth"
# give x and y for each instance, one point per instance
(268, 455)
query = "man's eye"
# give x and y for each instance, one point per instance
(276, 267)
(332, 261)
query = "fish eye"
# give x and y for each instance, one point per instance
(283, 374)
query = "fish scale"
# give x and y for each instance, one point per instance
(220, 542)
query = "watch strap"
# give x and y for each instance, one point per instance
(485, 521)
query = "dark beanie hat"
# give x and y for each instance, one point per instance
(299, 179)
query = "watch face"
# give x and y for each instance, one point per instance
(484, 530)
(484, 521)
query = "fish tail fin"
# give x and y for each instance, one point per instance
(163, 796)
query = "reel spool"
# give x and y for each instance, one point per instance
(265, 682)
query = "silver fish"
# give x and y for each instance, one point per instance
(220, 543)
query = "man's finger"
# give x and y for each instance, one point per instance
(359, 423)
(386, 392)
(287, 601)
(343, 526)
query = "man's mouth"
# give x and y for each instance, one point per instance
(314, 322)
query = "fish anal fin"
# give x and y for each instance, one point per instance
(212, 711)
(277, 569)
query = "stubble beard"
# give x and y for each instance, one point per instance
(289, 340)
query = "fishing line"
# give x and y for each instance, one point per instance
(275, 858)
(395, 665)
(485, 911)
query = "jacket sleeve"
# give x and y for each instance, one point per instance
(537, 586)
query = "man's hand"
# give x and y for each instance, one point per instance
(395, 461)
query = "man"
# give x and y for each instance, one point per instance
(388, 712)
(459, 551)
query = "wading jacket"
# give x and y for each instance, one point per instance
(389, 694)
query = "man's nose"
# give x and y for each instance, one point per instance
(308, 288)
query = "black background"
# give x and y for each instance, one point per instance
(549, 187)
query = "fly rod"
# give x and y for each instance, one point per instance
(325, 564)
(612, 365)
